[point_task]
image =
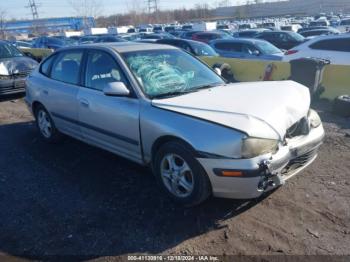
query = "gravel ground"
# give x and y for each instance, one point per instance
(74, 199)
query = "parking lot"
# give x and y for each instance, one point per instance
(74, 199)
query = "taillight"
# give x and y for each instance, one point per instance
(291, 52)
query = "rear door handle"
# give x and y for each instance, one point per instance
(45, 92)
(84, 103)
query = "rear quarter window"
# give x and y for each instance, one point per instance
(46, 65)
(340, 45)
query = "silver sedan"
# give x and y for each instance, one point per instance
(161, 107)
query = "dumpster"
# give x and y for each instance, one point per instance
(309, 72)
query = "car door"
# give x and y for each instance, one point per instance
(60, 88)
(109, 122)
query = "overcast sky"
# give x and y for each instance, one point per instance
(56, 8)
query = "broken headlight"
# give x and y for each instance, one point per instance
(314, 119)
(253, 147)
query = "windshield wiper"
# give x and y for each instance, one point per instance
(170, 94)
(183, 92)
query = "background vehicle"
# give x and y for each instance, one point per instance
(88, 39)
(49, 42)
(108, 39)
(249, 33)
(187, 27)
(293, 28)
(157, 36)
(344, 25)
(320, 22)
(204, 26)
(14, 68)
(333, 48)
(206, 37)
(314, 28)
(247, 49)
(194, 47)
(247, 26)
(188, 34)
(282, 39)
(22, 44)
(318, 32)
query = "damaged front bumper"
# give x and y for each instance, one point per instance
(12, 85)
(263, 173)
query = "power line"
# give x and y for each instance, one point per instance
(33, 8)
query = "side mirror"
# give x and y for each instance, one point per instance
(217, 70)
(116, 89)
(256, 53)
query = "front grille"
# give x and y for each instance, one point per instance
(299, 162)
(302, 127)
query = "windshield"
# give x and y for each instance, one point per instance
(267, 48)
(203, 49)
(297, 36)
(8, 51)
(163, 73)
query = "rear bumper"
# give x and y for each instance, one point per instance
(264, 173)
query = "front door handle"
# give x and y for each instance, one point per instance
(45, 92)
(84, 102)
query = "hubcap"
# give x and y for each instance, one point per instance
(177, 176)
(44, 124)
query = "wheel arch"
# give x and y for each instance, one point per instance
(35, 106)
(166, 139)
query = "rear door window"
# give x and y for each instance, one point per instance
(249, 49)
(46, 66)
(66, 68)
(230, 47)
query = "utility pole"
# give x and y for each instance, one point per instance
(33, 8)
(152, 6)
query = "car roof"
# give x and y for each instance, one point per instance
(276, 32)
(180, 40)
(239, 40)
(332, 36)
(317, 30)
(209, 33)
(123, 47)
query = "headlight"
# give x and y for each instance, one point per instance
(252, 147)
(314, 119)
(3, 70)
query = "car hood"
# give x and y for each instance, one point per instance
(16, 65)
(259, 109)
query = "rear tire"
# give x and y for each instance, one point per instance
(46, 126)
(341, 106)
(180, 175)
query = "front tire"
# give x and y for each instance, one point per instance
(180, 175)
(46, 126)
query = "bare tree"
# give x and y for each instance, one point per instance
(87, 8)
(136, 10)
(2, 23)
